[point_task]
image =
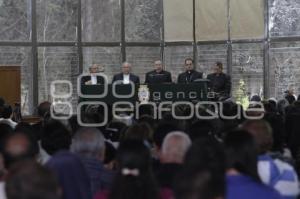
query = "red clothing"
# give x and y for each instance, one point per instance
(164, 193)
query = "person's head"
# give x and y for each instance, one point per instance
(200, 128)
(281, 105)
(114, 130)
(140, 131)
(255, 98)
(290, 98)
(93, 68)
(158, 65)
(55, 137)
(126, 68)
(161, 132)
(241, 153)
(270, 106)
(71, 175)
(19, 146)
(206, 159)
(218, 67)
(44, 109)
(189, 64)
(29, 180)
(27, 129)
(89, 142)
(262, 133)
(174, 147)
(7, 111)
(200, 185)
(134, 178)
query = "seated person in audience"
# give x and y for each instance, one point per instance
(71, 174)
(203, 171)
(7, 115)
(290, 95)
(174, 148)
(125, 76)
(19, 146)
(55, 137)
(241, 175)
(273, 171)
(134, 178)
(220, 83)
(93, 79)
(89, 144)
(190, 73)
(158, 75)
(27, 180)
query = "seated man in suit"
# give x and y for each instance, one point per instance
(190, 73)
(126, 76)
(220, 83)
(93, 79)
(158, 75)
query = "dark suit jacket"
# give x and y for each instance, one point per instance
(87, 78)
(220, 83)
(153, 77)
(135, 79)
(187, 77)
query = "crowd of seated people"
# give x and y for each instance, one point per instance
(147, 158)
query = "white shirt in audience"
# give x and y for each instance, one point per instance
(9, 121)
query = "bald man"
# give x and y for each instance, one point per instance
(94, 77)
(158, 75)
(125, 76)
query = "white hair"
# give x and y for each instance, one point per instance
(175, 146)
(126, 62)
(88, 142)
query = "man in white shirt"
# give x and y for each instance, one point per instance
(125, 76)
(6, 116)
(93, 79)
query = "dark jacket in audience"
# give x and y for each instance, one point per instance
(100, 178)
(71, 175)
(166, 174)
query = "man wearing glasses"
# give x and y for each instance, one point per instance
(190, 74)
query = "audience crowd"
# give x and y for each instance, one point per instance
(147, 158)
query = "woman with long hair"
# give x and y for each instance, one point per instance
(134, 178)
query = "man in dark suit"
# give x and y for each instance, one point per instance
(220, 83)
(158, 75)
(93, 78)
(126, 76)
(190, 74)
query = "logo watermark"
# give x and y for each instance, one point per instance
(212, 109)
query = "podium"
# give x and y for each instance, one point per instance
(192, 92)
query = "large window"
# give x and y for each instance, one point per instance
(257, 41)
